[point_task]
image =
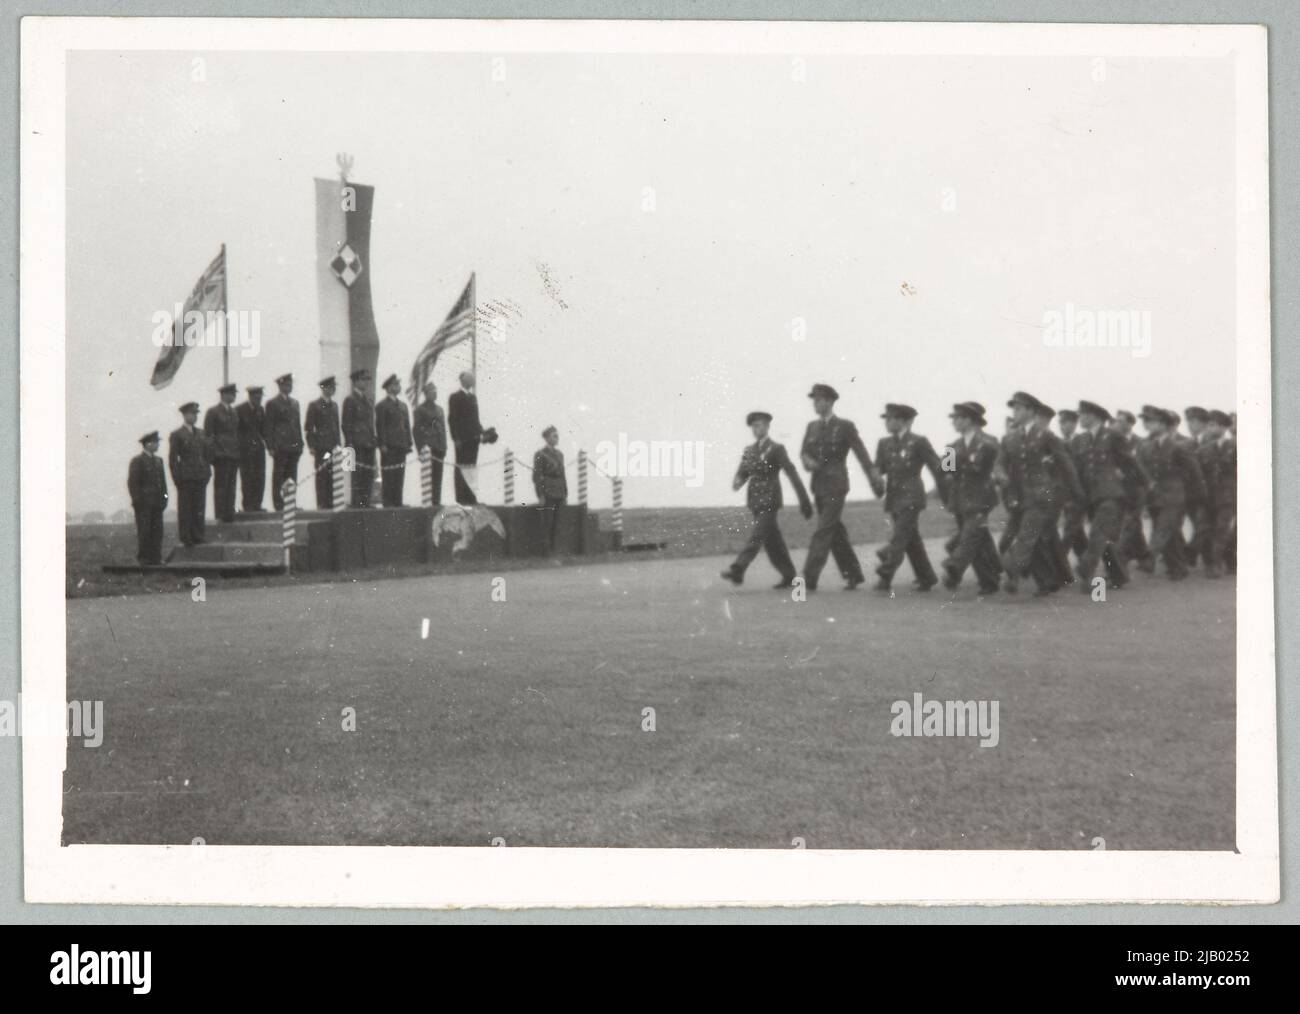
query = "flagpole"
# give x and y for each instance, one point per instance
(225, 310)
(473, 331)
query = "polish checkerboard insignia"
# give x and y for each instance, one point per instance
(347, 266)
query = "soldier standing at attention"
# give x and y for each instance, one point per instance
(393, 434)
(252, 450)
(359, 434)
(146, 481)
(1076, 440)
(761, 465)
(431, 431)
(826, 446)
(190, 462)
(549, 482)
(283, 438)
(971, 496)
(1108, 471)
(1176, 480)
(324, 435)
(900, 458)
(221, 427)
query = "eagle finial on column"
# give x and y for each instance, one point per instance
(345, 165)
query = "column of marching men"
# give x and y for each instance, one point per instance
(230, 449)
(1084, 491)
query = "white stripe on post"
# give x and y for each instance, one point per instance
(426, 476)
(509, 464)
(582, 478)
(340, 479)
(290, 492)
(617, 522)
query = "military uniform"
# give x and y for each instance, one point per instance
(761, 465)
(359, 434)
(190, 463)
(430, 430)
(393, 434)
(1176, 480)
(972, 495)
(221, 427)
(1225, 504)
(252, 453)
(1075, 534)
(1205, 513)
(284, 441)
(1108, 470)
(551, 486)
(324, 435)
(1132, 536)
(146, 481)
(900, 458)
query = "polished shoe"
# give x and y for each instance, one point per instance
(732, 576)
(882, 586)
(923, 586)
(789, 583)
(851, 583)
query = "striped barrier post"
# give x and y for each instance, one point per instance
(582, 478)
(508, 463)
(426, 476)
(617, 522)
(290, 491)
(340, 480)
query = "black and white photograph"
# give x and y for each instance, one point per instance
(660, 463)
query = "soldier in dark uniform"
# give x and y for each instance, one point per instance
(1186, 548)
(900, 458)
(324, 435)
(1132, 537)
(1108, 470)
(221, 427)
(252, 451)
(1074, 536)
(1225, 494)
(1053, 556)
(359, 434)
(1010, 495)
(1204, 447)
(283, 438)
(1176, 480)
(191, 466)
(972, 495)
(549, 481)
(430, 430)
(826, 446)
(761, 466)
(393, 434)
(1037, 466)
(146, 481)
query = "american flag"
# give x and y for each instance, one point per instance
(208, 295)
(458, 327)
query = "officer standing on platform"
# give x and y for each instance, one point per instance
(900, 458)
(324, 435)
(393, 434)
(252, 451)
(283, 438)
(430, 430)
(359, 434)
(146, 481)
(221, 427)
(190, 462)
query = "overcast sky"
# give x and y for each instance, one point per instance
(662, 224)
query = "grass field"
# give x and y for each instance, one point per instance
(523, 719)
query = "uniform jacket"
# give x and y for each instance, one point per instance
(970, 484)
(761, 465)
(221, 427)
(1207, 456)
(1176, 478)
(1227, 491)
(1189, 445)
(1107, 467)
(548, 474)
(431, 428)
(146, 481)
(283, 425)
(826, 446)
(900, 459)
(393, 425)
(252, 427)
(466, 430)
(322, 426)
(188, 456)
(1038, 468)
(359, 422)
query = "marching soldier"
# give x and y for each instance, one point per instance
(1188, 444)
(1108, 470)
(1205, 448)
(324, 435)
(283, 438)
(1054, 556)
(1176, 480)
(1225, 499)
(146, 481)
(900, 458)
(221, 427)
(1076, 441)
(430, 428)
(1037, 466)
(252, 450)
(393, 434)
(549, 481)
(826, 446)
(359, 434)
(190, 462)
(1210, 456)
(761, 466)
(1011, 498)
(1132, 538)
(971, 496)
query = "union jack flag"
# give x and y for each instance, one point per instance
(208, 296)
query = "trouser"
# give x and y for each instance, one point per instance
(324, 480)
(1167, 538)
(1132, 539)
(252, 478)
(830, 537)
(363, 476)
(973, 547)
(905, 541)
(1203, 541)
(551, 520)
(1103, 543)
(225, 472)
(1225, 537)
(1075, 535)
(284, 465)
(766, 535)
(148, 534)
(464, 493)
(394, 476)
(1058, 555)
(435, 475)
(190, 499)
(1031, 549)
(1009, 531)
